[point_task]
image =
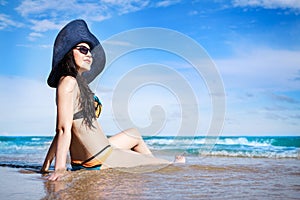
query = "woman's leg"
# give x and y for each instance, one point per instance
(120, 158)
(130, 139)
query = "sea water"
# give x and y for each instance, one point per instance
(30, 151)
(217, 168)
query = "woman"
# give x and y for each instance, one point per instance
(77, 130)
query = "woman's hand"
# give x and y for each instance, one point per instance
(57, 174)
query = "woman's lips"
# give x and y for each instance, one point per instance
(87, 61)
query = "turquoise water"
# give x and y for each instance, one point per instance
(220, 168)
(30, 151)
(254, 147)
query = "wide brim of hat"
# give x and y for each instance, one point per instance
(72, 34)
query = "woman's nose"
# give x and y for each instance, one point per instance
(89, 54)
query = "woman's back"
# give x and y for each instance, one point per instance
(85, 142)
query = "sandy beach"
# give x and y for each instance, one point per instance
(200, 178)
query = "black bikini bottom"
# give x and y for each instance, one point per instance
(77, 166)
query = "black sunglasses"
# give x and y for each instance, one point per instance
(82, 49)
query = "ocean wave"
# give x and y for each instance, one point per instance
(254, 147)
(294, 154)
(220, 151)
(244, 141)
(228, 141)
(248, 147)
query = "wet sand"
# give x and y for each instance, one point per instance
(15, 184)
(200, 178)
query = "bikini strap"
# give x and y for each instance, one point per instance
(78, 115)
(94, 156)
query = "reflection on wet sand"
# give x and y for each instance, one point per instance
(214, 178)
(95, 185)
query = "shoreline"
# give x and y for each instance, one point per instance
(206, 178)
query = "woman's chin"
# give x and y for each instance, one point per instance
(85, 68)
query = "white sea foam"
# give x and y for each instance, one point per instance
(252, 147)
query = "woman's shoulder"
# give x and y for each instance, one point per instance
(67, 83)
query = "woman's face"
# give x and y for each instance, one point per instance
(83, 57)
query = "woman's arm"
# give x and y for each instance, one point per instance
(65, 90)
(50, 155)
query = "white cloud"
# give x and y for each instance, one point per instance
(66, 9)
(60, 11)
(44, 25)
(123, 7)
(27, 107)
(166, 3)
(43, 46)
(258, 81)
(51, 15)
(31, 7)
(32, 36)
(6, 22)
(261, 67)
(269, 4)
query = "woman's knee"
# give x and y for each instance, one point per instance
(133, 132)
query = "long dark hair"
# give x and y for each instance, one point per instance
(86, 100)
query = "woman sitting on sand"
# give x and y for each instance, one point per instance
(77, 129)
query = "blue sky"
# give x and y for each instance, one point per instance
(254, 44)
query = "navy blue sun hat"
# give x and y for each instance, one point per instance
(72, 34)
